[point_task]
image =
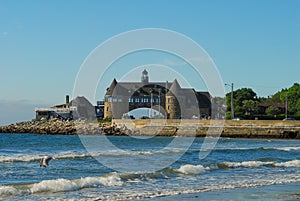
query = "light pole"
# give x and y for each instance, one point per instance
(159, 90)
(151, 97)
(231, 101)
(286, 105)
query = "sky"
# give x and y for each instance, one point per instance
(43, 44)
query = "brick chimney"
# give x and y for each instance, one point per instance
(67, 101)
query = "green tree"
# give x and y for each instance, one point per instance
(293, 95)
(239, 96)
(250, 107)
(272, 110)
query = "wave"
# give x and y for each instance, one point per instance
(165, 173)
(73, 155)
(4, 158)
(256, 164)
(192, 169)
(61, 185)
(242, 149)
(37, 157)
(6, 191)
(260, 148)
(124, 179)
(112, 179)
(293, 163)
(61, 155)
(288, 148)
(140, 195)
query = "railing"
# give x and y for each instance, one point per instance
(58, 110)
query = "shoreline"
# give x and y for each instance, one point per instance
(280, 191)
(264, 129)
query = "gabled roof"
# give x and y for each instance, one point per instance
(111, 88)
(174, 89)
(131, 88)
(84, 107)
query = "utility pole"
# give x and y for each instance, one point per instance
(231, 101)
(232, 107)
(151, 104)
(286, 105)
(159, 100)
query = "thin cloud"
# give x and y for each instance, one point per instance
(16, 111)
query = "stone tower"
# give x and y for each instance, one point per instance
(145, 78)
(108, 100)
(172, 105)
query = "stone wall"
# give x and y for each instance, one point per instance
(149, 127)
(201, 128)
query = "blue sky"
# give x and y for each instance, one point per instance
(43, 43)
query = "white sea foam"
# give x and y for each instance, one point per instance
(293, 163)
(255, 164)
(83, 154)
(256, 148)
(288, 148)
(19, 157)
(138, 195)
(61, 184)
(192, 169)
(248, 164)
(6, 191)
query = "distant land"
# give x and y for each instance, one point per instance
(246, 102)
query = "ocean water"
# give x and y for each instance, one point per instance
(235, 169)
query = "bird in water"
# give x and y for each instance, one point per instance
(45, 161)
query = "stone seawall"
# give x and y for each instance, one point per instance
(232, 129)
(202, 128)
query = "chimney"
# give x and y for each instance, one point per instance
(67, 101)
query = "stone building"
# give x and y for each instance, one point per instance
(168, 98)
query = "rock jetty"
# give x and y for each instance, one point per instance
(56, 126)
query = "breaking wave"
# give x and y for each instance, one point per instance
(120, 179)
(257, 149)
(288, 148)
(256, 164)
(138, 195)
(59, 185)
(6, 191)
(192, 169)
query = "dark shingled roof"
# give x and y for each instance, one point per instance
(175, 89)
(131, 88)
(84, 107)
(110, 90)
